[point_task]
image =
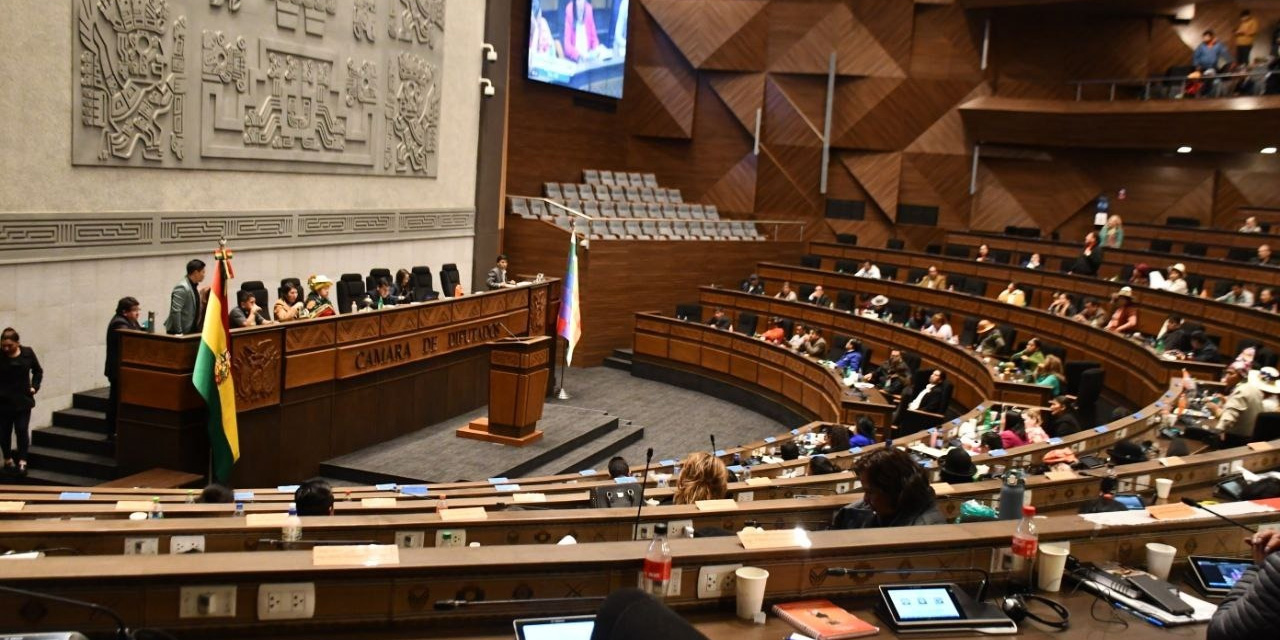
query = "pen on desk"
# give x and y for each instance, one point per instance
(1138, 614)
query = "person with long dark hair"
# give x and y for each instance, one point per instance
(20, 378)
(126, 319)
(896, 494)
(580, 37)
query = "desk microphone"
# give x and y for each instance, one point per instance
(982, 587)
(644, 479)
(459, 603)
(122, 630)
(509, 332)
(1192, 502)
(713, 444)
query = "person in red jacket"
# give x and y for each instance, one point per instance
(580, 37)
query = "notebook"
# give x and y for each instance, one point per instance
(823, 620)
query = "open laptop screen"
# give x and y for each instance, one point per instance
(564, 628)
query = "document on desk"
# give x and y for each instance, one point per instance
(1202, 610)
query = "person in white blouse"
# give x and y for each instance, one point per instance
(787, 293)
(939, 328)
(868, 270)
(1176, 280)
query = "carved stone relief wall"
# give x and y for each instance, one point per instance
(314, 86)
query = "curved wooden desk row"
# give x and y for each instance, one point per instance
(146, 590)
(785, 376)
(1134, 372)
(303, 389)
(1232, 322)
(973, 381)
(1115, 259)
(1218, 241)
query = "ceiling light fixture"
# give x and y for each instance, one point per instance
(1184, 149)
(1269, 150)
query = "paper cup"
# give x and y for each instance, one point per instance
(751, 582)
(1053, 560)
(1163, 486)
(1160, 559)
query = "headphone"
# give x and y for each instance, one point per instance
(1015, 606)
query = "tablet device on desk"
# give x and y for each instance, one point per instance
(1132, 502)
(940, 606)
(562, 628)
(1216, 576)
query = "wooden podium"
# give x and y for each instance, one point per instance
(518, 370)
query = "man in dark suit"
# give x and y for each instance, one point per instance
(497, 277)
(127, 311)
(935, 395)
(184, 302)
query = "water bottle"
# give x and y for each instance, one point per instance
(442, 503)
(1025, 543)
(239, 509)
(191, 496)
(291, 532)
(657, 563)
(157, 511)
(1011, 494)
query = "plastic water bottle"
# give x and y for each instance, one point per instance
(239, 509)
(157, 511)
(1011, 494)
(657, 563)
(1025, 543)
(291, 532)
(191, 496)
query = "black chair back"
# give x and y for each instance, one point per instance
(811, 261)
(421, 279)
(449, 279)
(746, 324)
(690, 312)
(895, 243)
(847, 238)
(889, 272)
(956, 251)
(1161, 246)
(1179, 221)
(1267, 427)
(259, 292)
(371, 282)
(847, 266)
(1073, 370)
(1195, 249)
(975, 286)
(1090, 390)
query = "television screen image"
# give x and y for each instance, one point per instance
(579, 44)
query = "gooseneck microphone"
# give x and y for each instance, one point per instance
(982, 586)
(644, 479)
(122, 630)
(1192, 502)
(713, 444)
(458, 603)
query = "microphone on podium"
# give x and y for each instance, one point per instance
(644, 479)
(1192, 502)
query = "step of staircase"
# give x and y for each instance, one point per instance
(81, 420)
(68, 439)
(52, 478)
(93, 399)
(72, 463)
(621, 360)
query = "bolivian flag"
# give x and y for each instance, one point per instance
(212, 376)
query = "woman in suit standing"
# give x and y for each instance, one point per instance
(20, 378)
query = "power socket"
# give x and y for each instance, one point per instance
(287, 601)
(457, 538)
(186, 544)
(643, 531)
(673, 587)
(717, 580)
(141, 546)
(842, 487)
(675, 528)
(410, 539)
(212, 601)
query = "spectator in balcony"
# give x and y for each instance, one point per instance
(940, 328)
(797, 337)
(1246, 31)
(776, 333)
(1050, 374)
(1267, 301)
(990, 341)
(1033, 262)
(819, 297)
(984, 253)
(814, 346)
(1033, 425)
(1176, 279)
(1251, 225)
(1141, 276)
(1062, 422)
(1209, 54)
(933, 279)
(1112, 233)
(1013, 295)
(1030, 358)
(1203, 349)
(1061, 305)
(868, 270)
(702, 477)
(1174, 335)
(850, 364)
(933, 397)
(1092, 314)
(892, 374)
(752, 285)
(917, 319)
(1124, 319)
(1238, 295)
(865, 435)
(786, 292)
(896, 494)
(1090, 258)
(1264, 257)
(721, 321)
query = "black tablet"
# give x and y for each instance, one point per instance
(1216, 576)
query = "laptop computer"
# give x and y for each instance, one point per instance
(939, 607)
(560, 628)
(1216, 576)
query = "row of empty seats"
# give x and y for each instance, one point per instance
(537, 209)
(619, 178)
(664, 229)
(602, 193)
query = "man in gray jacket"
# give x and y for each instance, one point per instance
(184, 302)
(1251, 611)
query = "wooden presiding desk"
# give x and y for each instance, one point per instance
(312, 390)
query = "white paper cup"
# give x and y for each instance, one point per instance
(1053, 560)
(1163, 486)
(1160, 559)
(751, 582)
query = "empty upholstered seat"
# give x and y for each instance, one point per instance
(978, 287)
(650, 180)
(673, 195)
(599, 230)
(842, 266)
(935, 249)
(518, 206)
(634, 229)
(712, 212)
(572, 203)
(811, 261)
(847, 238)
(563, 221)
(723, 229)
(538, 208)
(602, 192)
(590, 176)
(686, 212)
(617, 193)
(696, 230)
(746, 324)
(650, 228)
(1240, 254)
(1195, 249)
(570, 190)
(551, 190)
(895, 243)
(665, 230)
(617, 229)
(674, 211)
(738, 230)
(423, 289)
(956, 251)
(654, 210)
(633, 194)
(1179, 221)
(586, 192)
(449, 279)
(591, 208)
(624, 210)
(660, 195)
(888, 272)
(698, 211)
(646, 194)
(350, 289)
(606, 178)
(608, 210)
(1161, 246)
(636, 179)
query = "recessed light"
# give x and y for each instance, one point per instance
(1184, 149)
(1269, 150)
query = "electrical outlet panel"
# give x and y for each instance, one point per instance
(287, 601)
(675, 528)
(186, 544)
(410, 539)
(1002, 560)
(717, 580)
(644, 531)
(746, 496)
(141, 546)
(451, 538)
(210, 601)
(673, 587)
(842, 487)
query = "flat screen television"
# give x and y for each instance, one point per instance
(579, 44)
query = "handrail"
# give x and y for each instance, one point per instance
(578, 214)
(1147, 82)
